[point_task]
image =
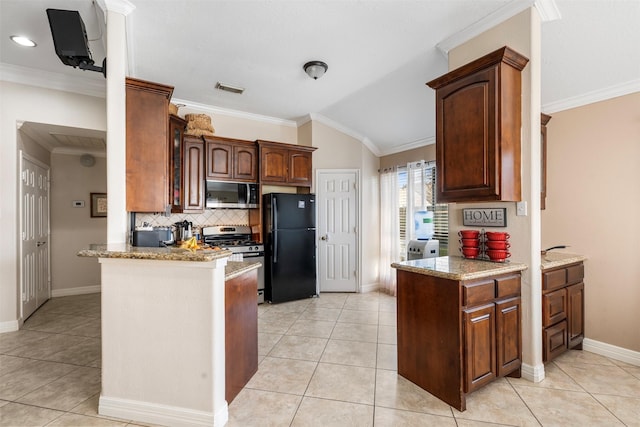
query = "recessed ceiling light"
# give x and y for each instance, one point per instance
(23, 41)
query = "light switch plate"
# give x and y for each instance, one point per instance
(521, 208)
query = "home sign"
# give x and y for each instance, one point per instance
(486, 217)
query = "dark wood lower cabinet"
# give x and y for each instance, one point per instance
(455, 336)
(562, 310)
(241, 331)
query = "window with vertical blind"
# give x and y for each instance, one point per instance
(417, 189)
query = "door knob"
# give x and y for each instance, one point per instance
(325, 237)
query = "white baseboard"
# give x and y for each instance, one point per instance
(371, 287)
(160, 414)
(533, 373)
(10, 326)
(612, 351)
(65, 292)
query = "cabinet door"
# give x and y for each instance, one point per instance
(300, 169)
(575, 314)
(176, 135)
(554, 307)
(480, 345)
(554, 341)
(465, 138)
(509, 335)
(147, 151)
(219, 160)
(273, 164)
(193, 167)
(245, 163)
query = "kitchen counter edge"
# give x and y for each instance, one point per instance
(238, 268)
(161, 254)
(559, 259)
(458, 268)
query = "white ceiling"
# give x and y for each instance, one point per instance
(380, 54)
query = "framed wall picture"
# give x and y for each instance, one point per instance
(98, 205)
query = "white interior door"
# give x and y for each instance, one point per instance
(34, 236)
(336, 195)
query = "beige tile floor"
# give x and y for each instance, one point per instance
(327, 361)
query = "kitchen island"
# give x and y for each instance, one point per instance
(459, 324)
(163, 333)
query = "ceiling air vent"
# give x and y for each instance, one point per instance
(229, 88)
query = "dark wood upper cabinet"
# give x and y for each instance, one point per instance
(147, 146)
(544, 119)
(231, 159)
(478, 126)
(186, 193)
(285, 164)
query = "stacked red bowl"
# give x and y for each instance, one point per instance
(497, 245)
(470, 241)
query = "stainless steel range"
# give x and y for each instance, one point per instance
(237, 239)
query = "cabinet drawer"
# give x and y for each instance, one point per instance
(575, 273)
(554, 340)
(478, 292)
(554, 279)
(508, 287)
(554, 307)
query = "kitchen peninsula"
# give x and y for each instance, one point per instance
(163, 333)
(459, 324)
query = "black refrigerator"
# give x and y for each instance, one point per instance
(290, 246)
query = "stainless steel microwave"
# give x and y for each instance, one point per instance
(223, 194)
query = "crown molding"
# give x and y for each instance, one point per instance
(347, 131)
(122, 7)
(546, 8)
(78, 151)
(234, 113)
(410, 145)
(614, 91)
(51, 80)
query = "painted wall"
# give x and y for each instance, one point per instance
(337, 150)
(73, 229)
(592, 205)
(521, 33)
(21, 103)
(428, 153)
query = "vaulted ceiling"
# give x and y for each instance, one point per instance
(379, 53)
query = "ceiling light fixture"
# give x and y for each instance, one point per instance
(229, 88)
(23, 41)
(315, 69)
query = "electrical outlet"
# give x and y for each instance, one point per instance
(77, 203)
(521, 208)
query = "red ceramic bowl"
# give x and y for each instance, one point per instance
(470, 243)
(498, 255)
(470, 252)
(469, 234)
(497, 235)
(497, 244)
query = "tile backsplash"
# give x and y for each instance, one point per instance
(207, 218)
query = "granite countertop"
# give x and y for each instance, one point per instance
(559, 259)
(125, 251)
(458, 268)
(237, 268)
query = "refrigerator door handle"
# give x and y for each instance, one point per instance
(275, 246)
(274, 214)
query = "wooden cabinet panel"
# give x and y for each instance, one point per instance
(554, 279)
(508, 287)
(300, 168)
(480, 351)
(575, 314)
(575, 273)
(219, 160)
(554, 307)
(554, 341)
(509, 336)
(478, 292)
(478, 127)
(147, 150)
(245, 162)
(193, 169)
(273, 165)
(241, 332)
